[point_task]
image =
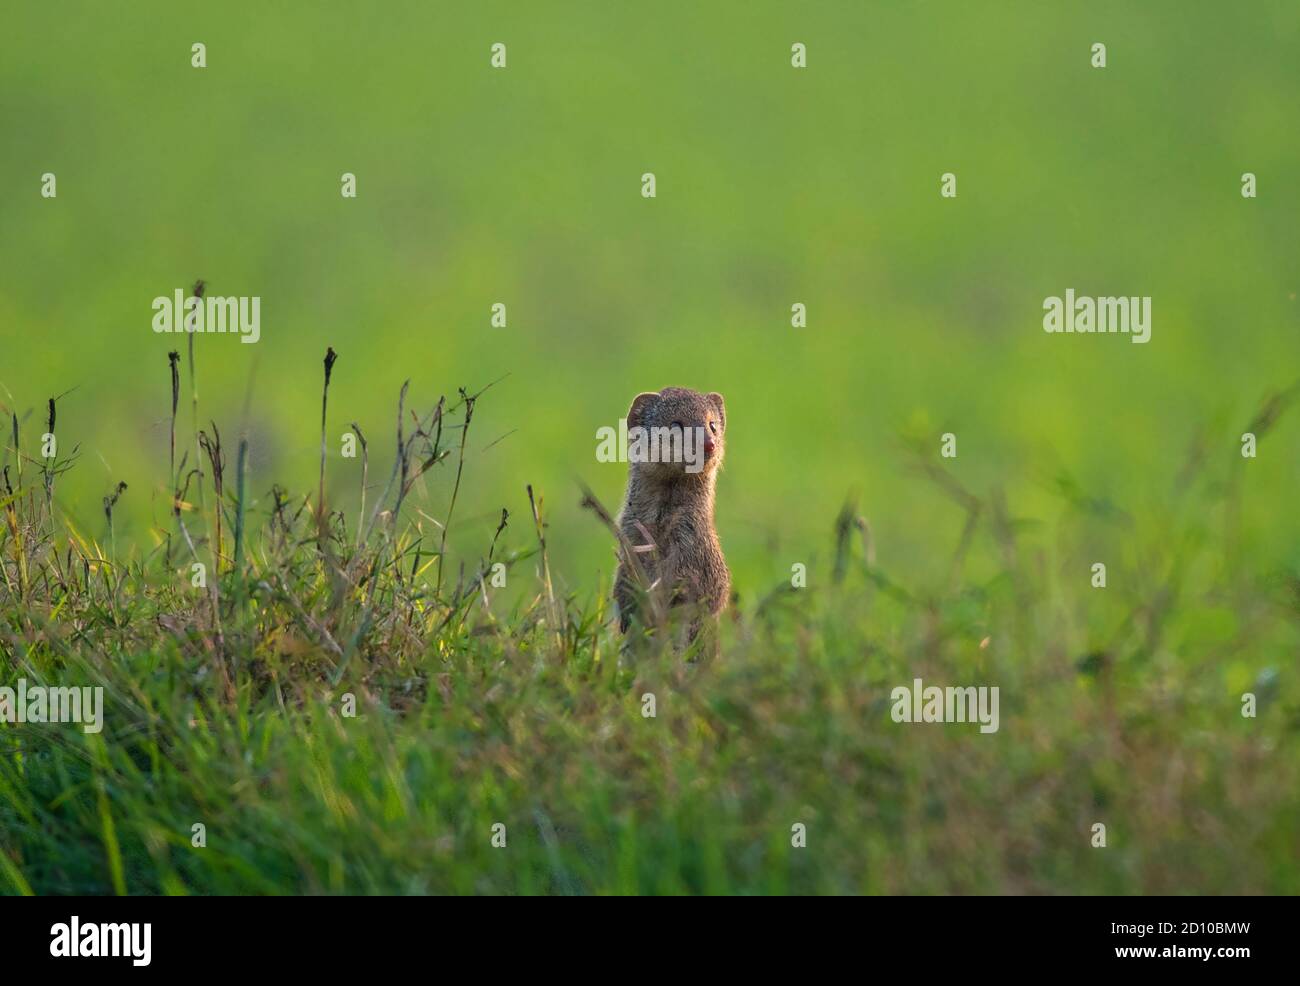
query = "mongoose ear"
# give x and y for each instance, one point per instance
(716, 400)
(640, 404)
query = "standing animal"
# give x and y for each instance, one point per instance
(666, 523)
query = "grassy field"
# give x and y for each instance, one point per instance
(482, 704)
(340, 716)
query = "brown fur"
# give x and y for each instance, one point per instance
(674, 508)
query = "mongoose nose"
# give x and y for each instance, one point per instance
(708, 447)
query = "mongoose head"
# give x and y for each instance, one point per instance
(683, 433)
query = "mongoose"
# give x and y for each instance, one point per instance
(667, 516)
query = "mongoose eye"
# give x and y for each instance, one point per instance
(713, 427)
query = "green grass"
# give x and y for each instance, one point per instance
(776, 185)
(477, 706)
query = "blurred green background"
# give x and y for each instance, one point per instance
(775, 186)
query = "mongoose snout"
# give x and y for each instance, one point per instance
(676, 443)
